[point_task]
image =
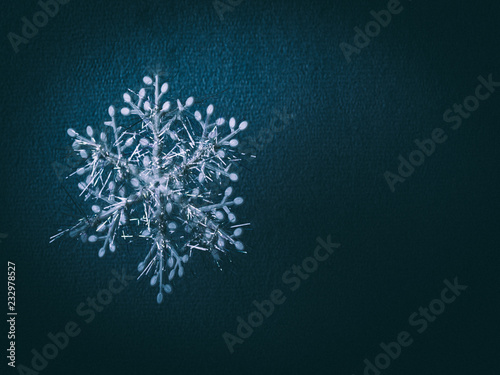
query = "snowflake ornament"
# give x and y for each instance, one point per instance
(164, 178)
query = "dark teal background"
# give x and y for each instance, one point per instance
(322, 175)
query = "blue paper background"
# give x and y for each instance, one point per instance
(322, 175)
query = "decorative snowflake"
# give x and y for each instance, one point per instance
(166, 178)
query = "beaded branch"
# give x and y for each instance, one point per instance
(169, 177)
